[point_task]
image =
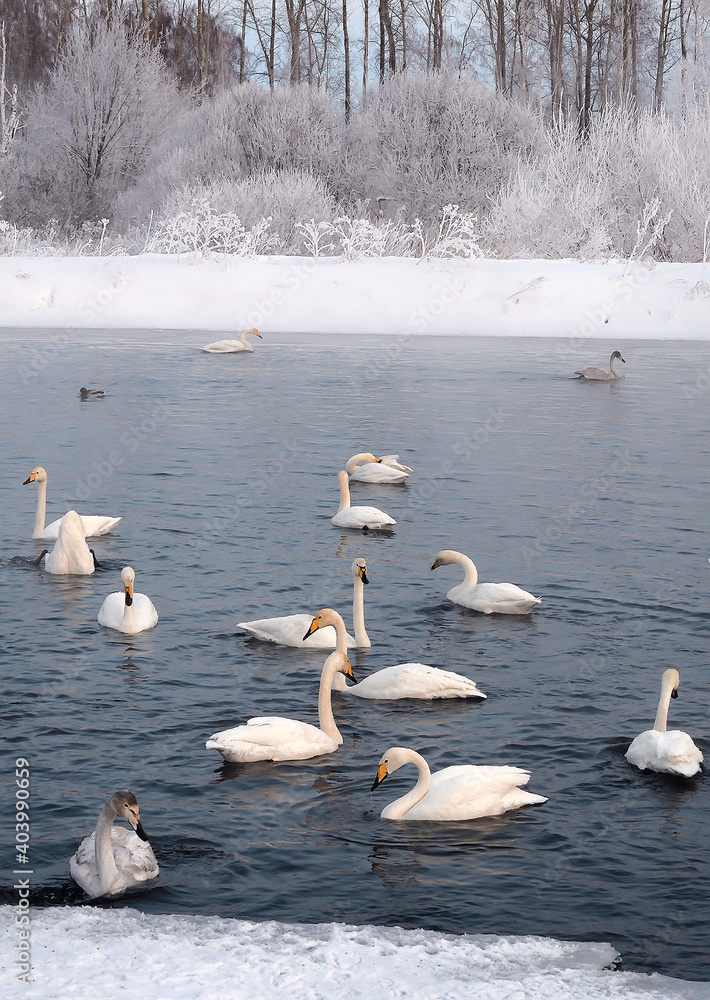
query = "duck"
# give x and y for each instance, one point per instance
(601, 374)
(233, 346)
(465, 791)
(489, 598)
(403, 680)
(127, 611)
(365, 518)
(71, 554)
(93, 525)
(275, 738)
(386, 469)
(288, 630)
(113, 859)
(85, 393)
(659, 750)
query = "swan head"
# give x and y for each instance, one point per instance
(360, 570)
(341, 663)
(391, 760)
(127, 579)
(671, 679)
(254, 331)
(445, 558)
(326, 616)
(125, 804)
(363, 456)
(617, 354)
(38, 475)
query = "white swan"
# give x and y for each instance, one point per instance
(403, 680)
(657, 750)
(377, 470)
(232, 346)
(358, 517)
(601, 374)
(466, 791)
(490, 598)
(289, 629)
(70, 554)
(113, 859)
(93, 525)
(126, 611)
(274, 738)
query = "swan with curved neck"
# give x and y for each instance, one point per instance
(489, 598)
(127, 611)
(233, 346)
(364, 517)
(70, 555)
(658, 749)
(288, 630)
(366, 468)
(113, 859)
(275, 738)
(601, 374)
(465, 791)
(93, 525)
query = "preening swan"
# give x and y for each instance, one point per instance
(113, 859)
(289, 629)
(92, 525)
(490, 598)
(657, 750)
(601, 374)
(377, 470)
(232, 346)
(358, 517)
(85, 393)
(70, 554)
(127, 611)
(274, 738)
(466, 791)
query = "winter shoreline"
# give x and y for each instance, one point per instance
(377, 296)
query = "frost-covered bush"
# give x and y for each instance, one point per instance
(201, 229)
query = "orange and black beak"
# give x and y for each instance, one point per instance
(314, 626)
(362, 573)
(128, 591)
(349, 672)
(30, 479)
(674, 693)
(436, 564)
(382, 773)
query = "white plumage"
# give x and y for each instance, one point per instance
(358, 517)
(93, 525)
(366, 468)
(127, 611)
(488, 598)
(659, 750)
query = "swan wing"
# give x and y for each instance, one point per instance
(501, 598)
(415, 680)
(289, 630)
(93, 525)
(134, 859)
(225, 347)
(271, 738)
(394, 463)
(362, 517)
(598, 374)
(111, 613)
(672, 752)
(379, 473)
(470, 791)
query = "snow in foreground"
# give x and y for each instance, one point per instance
(80, 952)
(390, 295)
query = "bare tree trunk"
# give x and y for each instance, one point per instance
(366, 49)
(589, 9)
(386, 31)
(404, 34)
(294, 12)
(272, 44)
(243, 50)
(437, 33)
(346, 50)
(661, 53)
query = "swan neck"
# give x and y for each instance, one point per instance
(128, 618)
(105, 861)
(361, 637)
(344, 494)
(325, 708)
(662, 714)
(41, 509)
(400, 807)
(469, 568)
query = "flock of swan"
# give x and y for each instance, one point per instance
(113, 858)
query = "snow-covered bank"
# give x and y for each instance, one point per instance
(79, 952)
(392, 295)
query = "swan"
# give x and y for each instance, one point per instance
(288, 630)
(125, 611)
(658, 750)
(113, 859)
(274, 738)
(93, 525)
(466, 791)
(85, 393)
(601, 374)
(358, 517)
(403, 680)
(70, 554)
(490, 598)
(232, 346)
(377, 470)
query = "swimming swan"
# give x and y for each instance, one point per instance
(490, 598)
(289, 629)
(93, 525)
(358, 517)
(125, 611)
(113, 859)
(466, 791)
(70, 554)
(601, 374)
(657, 750)
(377, 470)
(403, 680)
(274, 738)
(232, 346)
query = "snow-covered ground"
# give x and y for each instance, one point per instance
(393, 296)
(86, 952)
